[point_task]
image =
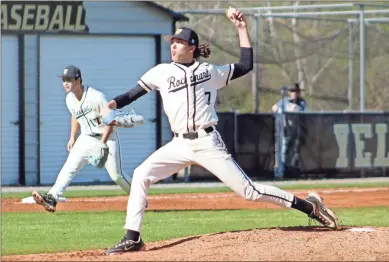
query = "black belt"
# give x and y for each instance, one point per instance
(194, 135)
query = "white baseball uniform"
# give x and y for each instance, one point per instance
(88, 113)
(189, 95)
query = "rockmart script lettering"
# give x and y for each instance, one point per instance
(41, 16)
(361, 132)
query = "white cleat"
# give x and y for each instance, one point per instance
(322, 214)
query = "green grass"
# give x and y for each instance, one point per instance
(117, 192)
(25, 233)
(159, 191)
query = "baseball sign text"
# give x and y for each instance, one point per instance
(47, 16)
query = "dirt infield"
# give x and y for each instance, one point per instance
(280, 244)
(348, 197)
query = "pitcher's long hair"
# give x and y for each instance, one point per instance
(202, 51)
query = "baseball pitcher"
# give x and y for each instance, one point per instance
(97, 144)
(188, 89)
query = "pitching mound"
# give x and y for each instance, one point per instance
(275, 244)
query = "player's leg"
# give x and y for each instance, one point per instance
(163, 163)
(298, 136)
(114, 164)
(216, 159)
(286, 142)
(75, 161)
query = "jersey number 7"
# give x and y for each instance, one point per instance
(209, 97)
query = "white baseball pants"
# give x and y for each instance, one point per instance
(209, 152)
(77, 159)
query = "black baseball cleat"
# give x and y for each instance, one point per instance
(126, 245)
(45, 200)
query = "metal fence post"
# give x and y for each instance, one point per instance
(362, 58)
(279, 121)
(236, 114)
(255, 76)
(350, 66)
(186, 174)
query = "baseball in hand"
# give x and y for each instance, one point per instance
(231, 12)
(236, 17)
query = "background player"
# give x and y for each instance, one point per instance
(292, 130)
(85, 105)
(188, 89)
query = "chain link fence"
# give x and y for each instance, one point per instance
(313, 52)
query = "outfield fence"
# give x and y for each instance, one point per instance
(332, 145)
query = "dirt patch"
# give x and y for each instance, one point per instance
(350, 197)
(277, 244)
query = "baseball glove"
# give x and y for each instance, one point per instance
(123, 119)
(99, 155)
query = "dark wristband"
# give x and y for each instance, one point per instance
(130, 96)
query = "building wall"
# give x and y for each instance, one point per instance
(10, 109)
(31, 108)
(101, 18)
